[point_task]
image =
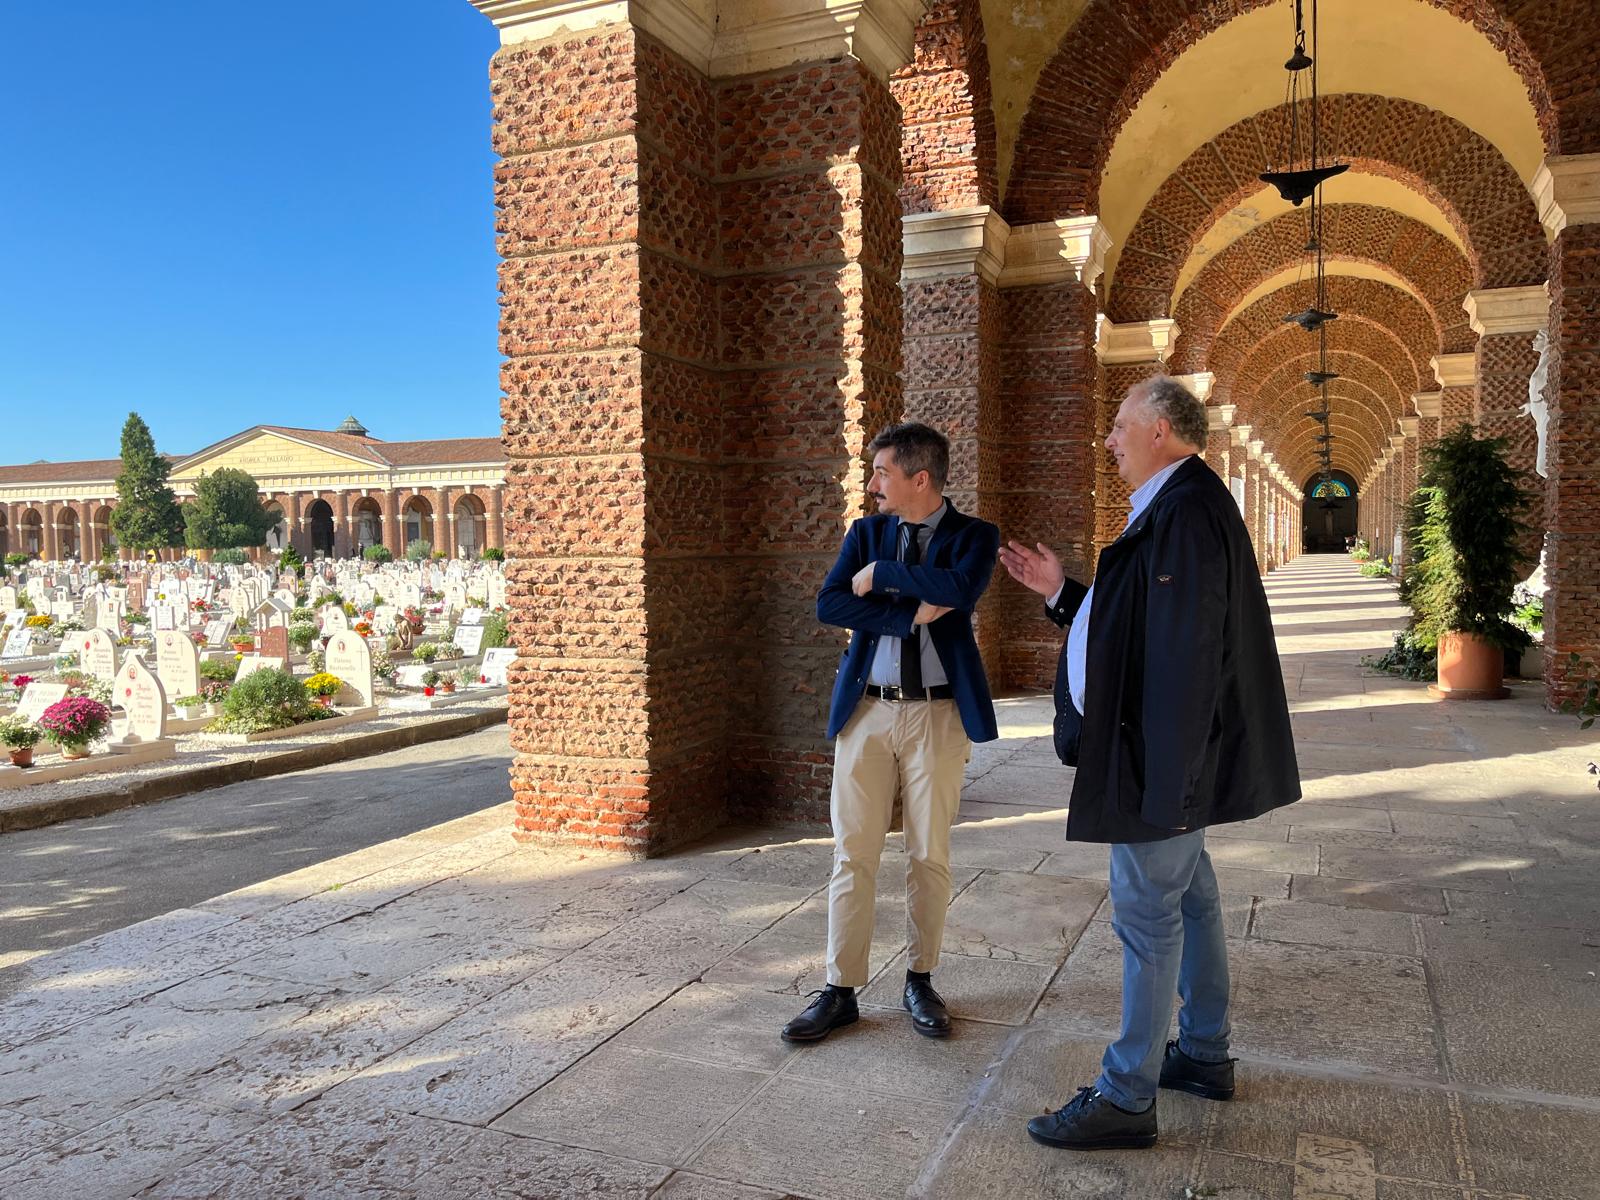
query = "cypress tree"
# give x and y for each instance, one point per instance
(147, 516)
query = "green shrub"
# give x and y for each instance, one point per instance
(493, 554)
(418, 549)
(1407, 658)
(220, 669)
(1374, 569)
(302, 634)
(495, 631)
(18, 559)
(290, 559)
(265, 699)
(378, 554)
(230, 557)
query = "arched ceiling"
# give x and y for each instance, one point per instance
(1133, 88)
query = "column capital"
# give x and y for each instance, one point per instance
(1508, 310)
(1566, 189)
(1397, 443)
(1241, 435)
(1255, 448)
(1135, 342)
(1455, 370)
(1200, 383)
(958, 241)
(733, 37)
(1428, 404)
(1220, 416)
(1071, 250)
(1409, 426)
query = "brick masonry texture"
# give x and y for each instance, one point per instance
(949, 135)
(701, 318)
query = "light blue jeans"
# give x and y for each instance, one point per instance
(1168, 914)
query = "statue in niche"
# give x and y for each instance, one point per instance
(1537, 406)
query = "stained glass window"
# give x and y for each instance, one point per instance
(1333, 487)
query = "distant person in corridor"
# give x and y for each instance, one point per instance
(1170, 704)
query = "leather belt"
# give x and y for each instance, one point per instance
(939, 691)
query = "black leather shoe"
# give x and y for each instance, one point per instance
(830, 1010)
(1091, 1122)
(1208, 1080)
(926, 1006)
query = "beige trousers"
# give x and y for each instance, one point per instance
(919, 749)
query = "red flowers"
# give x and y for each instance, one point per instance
(77, 720)
(21, 681)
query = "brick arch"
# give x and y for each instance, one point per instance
(1283, 401)
(1117, 51)
(1353, 443)
(1429, 263)
(1438, 157)
(947, 144)
(1361, 304)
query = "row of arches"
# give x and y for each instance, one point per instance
(416, 521)
(27, 531)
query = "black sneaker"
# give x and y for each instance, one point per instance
(1208, 1080)
(831, 1009)
(1089, 1121)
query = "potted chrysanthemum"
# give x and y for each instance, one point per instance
(75, 722)
(19, 736)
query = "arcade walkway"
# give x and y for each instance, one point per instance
(450, 1015)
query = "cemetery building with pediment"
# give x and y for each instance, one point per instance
(337, 492)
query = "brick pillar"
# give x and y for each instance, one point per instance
(1567, 188)
(1458, 389)
(701, 314)
(1401, 449)
(1128, 353)
(1255, 511)
(1511, 325)
(394, 533)
(443, 535)
(1428, 407)
(343, 535)
(87, 549)
(494, 523)
(51, 547)
(1219, 441)
(294, 515)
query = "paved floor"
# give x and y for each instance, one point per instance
(68, 882)
(451, 1015)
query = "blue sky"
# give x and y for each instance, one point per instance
(220, 215)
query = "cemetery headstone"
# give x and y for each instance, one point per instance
(495, 664)
(19, 643)
(334, 620)
(37, 697)
(141, 696)
(351, 660)
(469, 638)
(251, 663)
(97, 653)
(273, 642)
(108, 615)
(472, 616)
(179, 663)
(8, 597)
(217, 631)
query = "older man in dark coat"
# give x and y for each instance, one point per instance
(1170, 704)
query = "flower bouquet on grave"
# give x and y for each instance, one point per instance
(324, 687)
(363, 628)
(75, 722)
(19, 736)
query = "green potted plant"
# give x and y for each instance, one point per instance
(191, 708)
(19, 736)
(242, 641)
(468, 677)
(430, 681)
(425, 651)
(324, 687)
(1465, 531)
(267, 699)
(301, 635)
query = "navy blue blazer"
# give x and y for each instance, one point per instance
(955, 570)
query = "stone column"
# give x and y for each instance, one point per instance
(1567, 189)
(343, 535)
(1427, 406)
(443, 542)
(88, 544)
(1219, 442)
(494, 523)
(294, 519)
(1458, 383)
(1507, 320)
(682, 466)
(1255, 511)
(50, 545)
(1128, 353)
(394, 533)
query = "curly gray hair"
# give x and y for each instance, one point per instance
(1165, 398)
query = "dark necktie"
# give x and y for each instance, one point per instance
(911, 647)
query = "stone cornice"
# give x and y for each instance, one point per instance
(1255, 448)
(1240, 434)
(1508, 310)
(1428, 404)
(1397, 442)
(1566, 189)
(1220, 416)
(734, 37)
(1200, 384)
(1072, 250)
(1135, 342)
(1455, 370)
(1408, 426)
(959, 241)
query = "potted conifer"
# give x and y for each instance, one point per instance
(1466, 534)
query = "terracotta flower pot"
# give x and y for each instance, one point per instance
(1470, 668)
(22, 757)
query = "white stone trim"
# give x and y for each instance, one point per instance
(1220, 417)
(1428, 404)
(959, 241)
(1200, 383)
(1454, 370)
(1135, 342)
(1240, 434)
(1566, 189)
(1072, 250)
(1508, 310)
(1410, 426)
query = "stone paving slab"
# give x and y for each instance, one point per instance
(1414, 950)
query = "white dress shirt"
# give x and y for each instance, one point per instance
(885, 670)
(1078, 636)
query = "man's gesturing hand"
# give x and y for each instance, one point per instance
(1038, 570)
(862, 583)
(928, 613)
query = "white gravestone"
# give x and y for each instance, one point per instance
(495, 664)
(179, 663)
(141, 696)
(37, 697)
(217, 632)
(473, 616)
(497, 590)
(165, 617)
(108, 615)
(455, 598)
(470, 639)
(351, 660)
(251, 663)
(19, 643)
(411, 674)
(334, 620)
(8, 598)
(97, 653)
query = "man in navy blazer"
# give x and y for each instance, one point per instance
(909, 700)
